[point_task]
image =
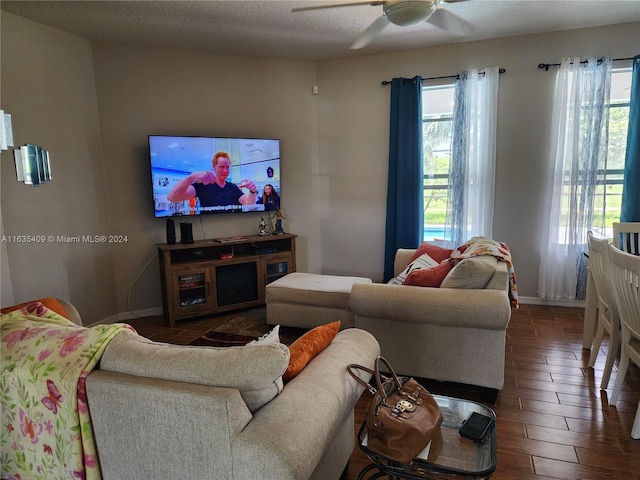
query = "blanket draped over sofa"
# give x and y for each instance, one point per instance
(478, 246)
(46, 427)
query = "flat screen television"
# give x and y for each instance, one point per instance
(212, 175)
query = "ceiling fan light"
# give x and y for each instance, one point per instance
(405, 13)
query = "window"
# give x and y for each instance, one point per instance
(609, 176)
(465, 127)
(609, 181)
(437, 129)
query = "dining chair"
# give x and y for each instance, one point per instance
(626, 236)
(625, 280)
(607, 318)
(590, 312)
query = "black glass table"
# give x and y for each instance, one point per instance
(449, 455)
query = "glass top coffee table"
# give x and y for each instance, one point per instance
(450, 455)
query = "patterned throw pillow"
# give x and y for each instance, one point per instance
(423, 262)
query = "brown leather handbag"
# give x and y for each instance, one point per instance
(402, 417)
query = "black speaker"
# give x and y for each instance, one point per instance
(171, 232)
(186, 233)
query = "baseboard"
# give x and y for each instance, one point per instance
(551, 303)
(124, 316)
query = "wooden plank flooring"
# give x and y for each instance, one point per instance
(553, 419)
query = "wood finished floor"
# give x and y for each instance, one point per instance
(553, 419)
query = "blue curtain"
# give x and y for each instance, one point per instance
(405, 190)
(630, 211)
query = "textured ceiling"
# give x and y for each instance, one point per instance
(269, 27)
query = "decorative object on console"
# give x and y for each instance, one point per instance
(171, 232)
(186, 233)
(262, 227)
(279, 229)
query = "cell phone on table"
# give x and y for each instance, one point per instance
(476, 427)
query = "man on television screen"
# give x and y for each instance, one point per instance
(212, 188)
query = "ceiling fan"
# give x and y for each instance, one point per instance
(404, 13)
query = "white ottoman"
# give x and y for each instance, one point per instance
(306, 300)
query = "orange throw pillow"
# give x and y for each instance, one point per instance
(434, 251)
(50, 302)
(429, 277)
(308, 346)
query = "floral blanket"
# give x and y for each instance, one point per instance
(486, 246)
(46, 428)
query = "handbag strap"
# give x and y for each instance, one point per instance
(376, 374)
(351, 367)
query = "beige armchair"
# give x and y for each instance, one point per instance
(445, 334)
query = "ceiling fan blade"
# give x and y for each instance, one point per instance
(336, 5)
(447, 20)
(369, 34)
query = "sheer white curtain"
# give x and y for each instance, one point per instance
(578, 149)
(472, 168)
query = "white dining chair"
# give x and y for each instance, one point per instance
(590, 312)
(607, 318)
(626, 236)
(625, 280)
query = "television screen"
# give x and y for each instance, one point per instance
(201, 175)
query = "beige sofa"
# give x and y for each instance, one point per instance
(446, 334)
(181, 412)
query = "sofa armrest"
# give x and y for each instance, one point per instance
(72, 313)
(402, 259)
(153, 428)
(287, 437)
(485, 308)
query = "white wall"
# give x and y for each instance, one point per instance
(93, 105)
(143, 91)
(353, 138)
(48, 86)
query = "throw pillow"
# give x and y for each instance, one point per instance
(269, 338)
(304, 349)
(434, 251)
(424, 261)
(49, 302)
(472, 272)
(429, 277)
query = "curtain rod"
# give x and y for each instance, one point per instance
(547, 65)
(387, 82)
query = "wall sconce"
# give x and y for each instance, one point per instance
(32, 162)
(6, 131)
(32, 165)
